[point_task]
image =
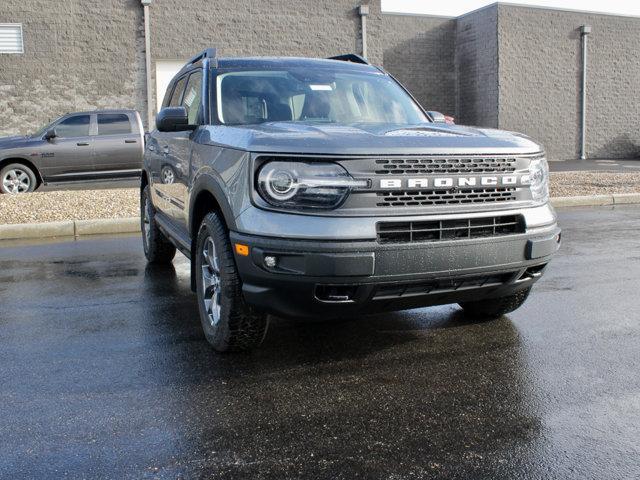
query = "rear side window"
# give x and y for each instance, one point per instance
(113, 123)
(177, 93)
(193, 97)
(77, 126)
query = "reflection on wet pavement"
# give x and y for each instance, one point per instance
(106, 373)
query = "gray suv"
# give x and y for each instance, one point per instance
(77, 146)
(321, 188)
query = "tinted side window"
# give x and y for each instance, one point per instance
(193, 97)
(77, 126)
(177, 93)
(113, 123)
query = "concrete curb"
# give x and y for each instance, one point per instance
(109, 226)
(596, 200)
(70, 228)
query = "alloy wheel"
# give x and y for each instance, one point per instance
(147, 222)
(16, 181)
(211, 281)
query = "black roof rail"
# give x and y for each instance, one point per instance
(207, 53)
(350, 57)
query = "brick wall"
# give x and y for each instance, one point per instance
(516, 68)
(79, 55)
(419, 51)
(477, 68)
(540, 70)
(86, 55)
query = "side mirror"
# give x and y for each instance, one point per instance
(437, 117)
(173, 119)
(50, 135)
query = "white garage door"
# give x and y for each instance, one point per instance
(165, 71)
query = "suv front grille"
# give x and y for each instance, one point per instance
(444, 197)
(410, 166)
(455, 229)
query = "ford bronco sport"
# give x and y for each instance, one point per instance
(321, 188)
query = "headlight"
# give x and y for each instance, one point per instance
(539, 179)
(305, 185)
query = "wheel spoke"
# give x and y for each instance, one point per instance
(211, 281)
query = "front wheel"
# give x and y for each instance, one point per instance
(17, 178)
(229, 324)
(492, 308)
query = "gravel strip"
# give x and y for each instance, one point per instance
(570, 184)
(124, 202)
(69, 205)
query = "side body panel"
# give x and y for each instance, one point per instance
(118, 152)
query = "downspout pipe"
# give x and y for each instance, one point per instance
(363, 11)
(585, 30)
(147, 61)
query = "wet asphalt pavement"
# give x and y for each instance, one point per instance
(105, 373)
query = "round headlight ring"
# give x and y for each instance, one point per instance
(281, 185)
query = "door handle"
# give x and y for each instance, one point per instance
(83, 144)
(130, 141)
(152, 148)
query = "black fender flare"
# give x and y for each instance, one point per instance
(214, 186)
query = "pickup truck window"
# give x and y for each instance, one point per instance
(113, 123)
(76, 126)
(250, 97)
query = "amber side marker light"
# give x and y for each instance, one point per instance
(242, 250)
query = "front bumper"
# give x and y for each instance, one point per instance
(340, 278)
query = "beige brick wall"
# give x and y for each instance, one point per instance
(419, 51)
(540, 69)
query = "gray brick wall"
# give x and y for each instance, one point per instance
(84, 55)
(540, 67)
(419, 51)
(87, 55)
(477, 68)
(502, 66)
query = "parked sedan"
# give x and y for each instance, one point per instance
(76, 146)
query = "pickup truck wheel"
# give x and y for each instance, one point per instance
(17, 178)
(157, 248)
(229, 324)
(492, 308)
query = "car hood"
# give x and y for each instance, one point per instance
(13, 142)
(358, 139)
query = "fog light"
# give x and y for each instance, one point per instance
(270, 261)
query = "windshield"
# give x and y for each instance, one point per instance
(320, 95)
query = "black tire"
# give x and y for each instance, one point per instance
(228, 322)
(157, 248)
(17, 178)
(492, 308)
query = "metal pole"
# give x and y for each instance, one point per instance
(363, 10)
(147, 59)
(584, 31)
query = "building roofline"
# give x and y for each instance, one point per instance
(515, 5)
(425, 15)
(560, 9)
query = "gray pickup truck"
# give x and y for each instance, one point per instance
(77, 146)
(321, 188)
